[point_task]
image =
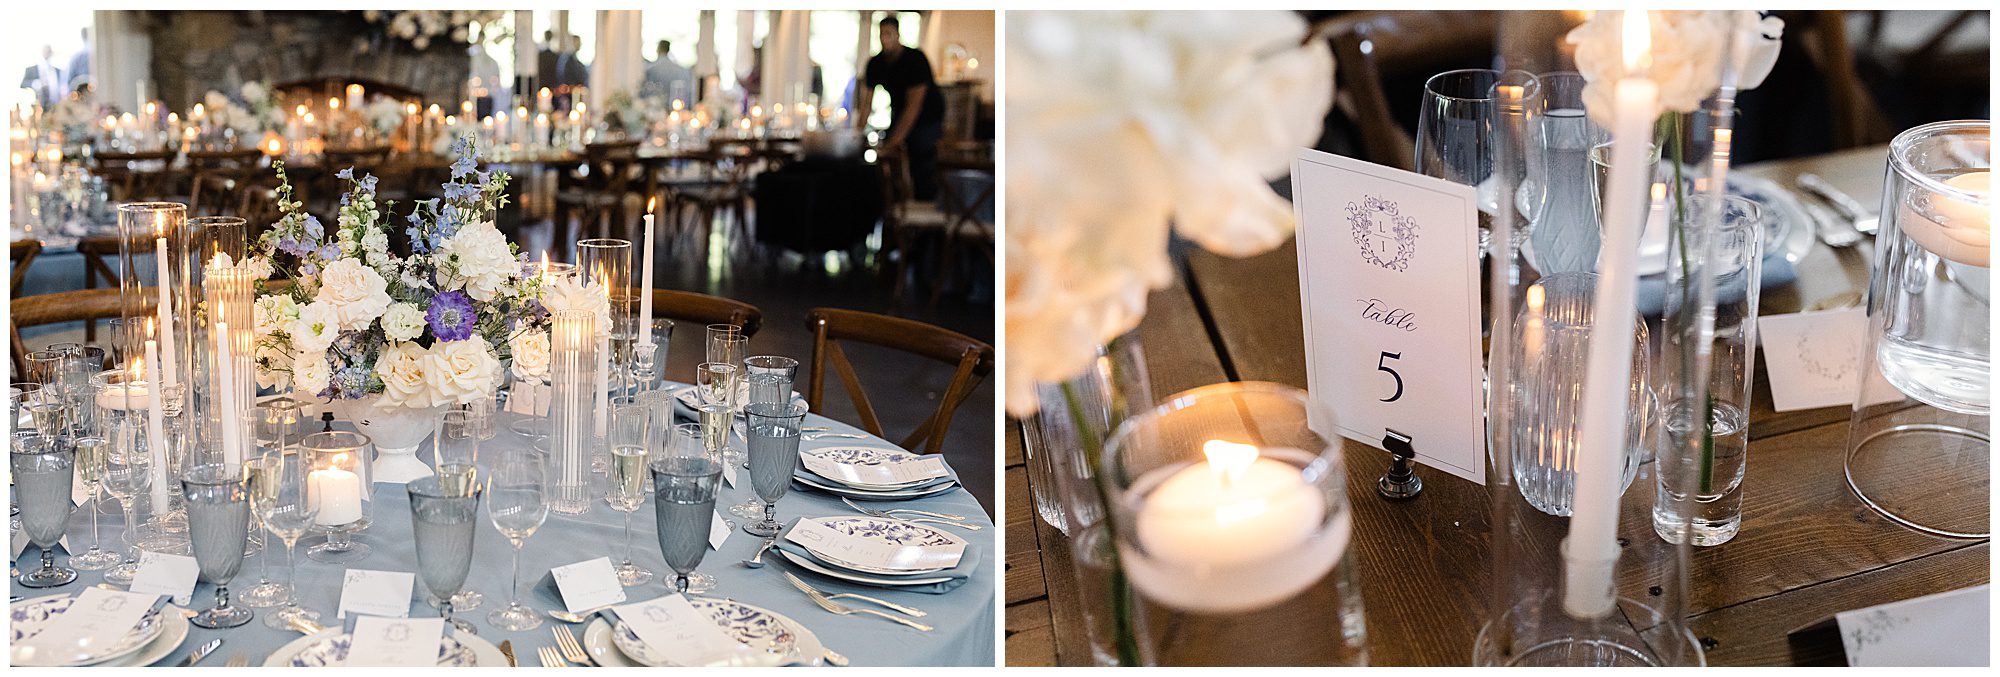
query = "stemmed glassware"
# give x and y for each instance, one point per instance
(456, 444)
(773, 433)
(1455, 139)
(768, 378)
(517, 503)
(287, 511)
(625, 491)
(43, 470)
(277, 425)
(685, 480)
(218, 507)
(91, 450)
(128, 475)
(444, 518)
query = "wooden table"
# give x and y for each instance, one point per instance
(1807, 549)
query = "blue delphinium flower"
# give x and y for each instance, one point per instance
(368, 183)
(330, 251)
(347, 174)
(314, 229)
(462, 166)
(451, 316)
(461, 192)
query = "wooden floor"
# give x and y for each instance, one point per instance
(1807, 549)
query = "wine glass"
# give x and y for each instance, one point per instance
(1455, 132)
(716, 334)
(128, 475)
(773, 433)
(287, 510)
(456, 448)
(517, 503)
(768, 378)
(444, 518)
(218, 510)
(43, 470)
(629, 438)
(685, 480)
(91, 449)
(277, 425)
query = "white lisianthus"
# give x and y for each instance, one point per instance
(310, 372)
(403, 322)
(402, 367)
(478, 260)
(461, 372)
(273, 312)
(1129, 121)
(1687, 52)
(356, 292)
(567, 295)
(258, 267)
(274, 365)
(375, 242)
(318, 324)
(531, 353)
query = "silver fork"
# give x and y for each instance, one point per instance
(237, 661)
(843, 610)
(551, 658)
(803, 587)
(843, 436)
(571, 649)
(877, 512)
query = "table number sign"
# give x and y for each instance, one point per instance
(376, 593)
(383, 642)
(1389, 280)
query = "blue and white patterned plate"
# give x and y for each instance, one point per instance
(761, 630)
(889, 531)
(870, 456)
(29, 618)
(331, 651)
(814, 481)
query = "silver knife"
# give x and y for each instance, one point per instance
(200, 652)
(1829, 227)
(1864, 221)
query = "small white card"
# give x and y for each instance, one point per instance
(1813, 359)
(79, 492)
(376, 593)
(164, 574)
(1389, 281)
(681, 633)
(395, 642)
(852, 551)
(718, 531)
(729, 474)
(881, 474)
(588, 584)
(528, 398)
(98, 616)
(1942, 630)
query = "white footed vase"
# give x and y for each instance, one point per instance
(397, 431)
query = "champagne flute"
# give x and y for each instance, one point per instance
(685, 480)
(128, 475)
(218, 509)
(625, 492)
(277, 423)
(444, 520)
(517, 503)
(773, 433)
(91, 452)
(287, 511)
(43, 470)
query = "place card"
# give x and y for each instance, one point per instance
(729, 474)
(395, 642)
(1942, 630)
(79, 491)
(1814, 359)
(681, 633)
(376, 593)
(588, 584)
(164, 574)
(1389, 283)
(881, 474)
(528, 398)
(854, 551)
(718, 531)
(98, 616)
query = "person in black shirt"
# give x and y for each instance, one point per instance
(916, 107)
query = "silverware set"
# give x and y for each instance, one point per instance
(1841, 221)
(569, 649)
(827, 603)
(925, 516)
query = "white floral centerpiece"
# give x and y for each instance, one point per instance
(263, 104)
(421, 26)
(385, 114)
(224, 112)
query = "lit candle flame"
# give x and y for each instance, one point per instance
(1637, 42)
(650, 203)
(333, 104)
(1228, 460)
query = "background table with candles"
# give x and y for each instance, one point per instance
(1808, 548)
(962, 619)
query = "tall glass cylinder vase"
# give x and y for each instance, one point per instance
(228, 390)
(1229, 511)
(573, 370)
(160, 302)
(607, 263)
(1919, 448)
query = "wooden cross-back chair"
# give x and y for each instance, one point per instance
(98, 252)
(971, 358)
(144, 175)
(20, 255)
(612, 175)
(57, 308)
(218, 177)
(705, 309)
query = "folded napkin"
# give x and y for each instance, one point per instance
(1778, 272)
(967, 564)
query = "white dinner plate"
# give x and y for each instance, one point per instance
(161, 647)
(484, 654)
(838, 489)
(887, 531)
(604, 648)
(856, 577)
(870, 455)
(27, 617)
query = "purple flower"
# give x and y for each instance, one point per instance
(347, 173)
(451, 316)
(462, 166)
(461, 192)
(314, 229)
(352, 381)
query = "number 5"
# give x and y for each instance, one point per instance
(1381, 364)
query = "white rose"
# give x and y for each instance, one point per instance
(358, 293)
(401, 367)
(477, 259)
(318, 324)
(1687, 48)
(461, 372)
(531, 353)
(310, 373)
(403, 322)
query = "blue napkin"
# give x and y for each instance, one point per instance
(1777, 273)
(958, 574)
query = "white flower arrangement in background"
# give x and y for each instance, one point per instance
(1121, 123)
(421, 26)
(225, 112)
(1687, 52)
(385, 114)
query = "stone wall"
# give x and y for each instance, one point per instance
(198, 51)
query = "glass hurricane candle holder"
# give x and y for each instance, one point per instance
(1229, 509)
(1925, 464)
(340, 489)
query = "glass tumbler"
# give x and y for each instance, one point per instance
(1229, 509)
(1551, 339)
(1925, 464)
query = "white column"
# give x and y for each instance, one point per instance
(618, 66)
(705, 61)
(933, 40)
(862, 43)
(787, 61)
(121, 57)
(525, 57)
(746, 52)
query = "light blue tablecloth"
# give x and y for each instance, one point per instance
(963, 618)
